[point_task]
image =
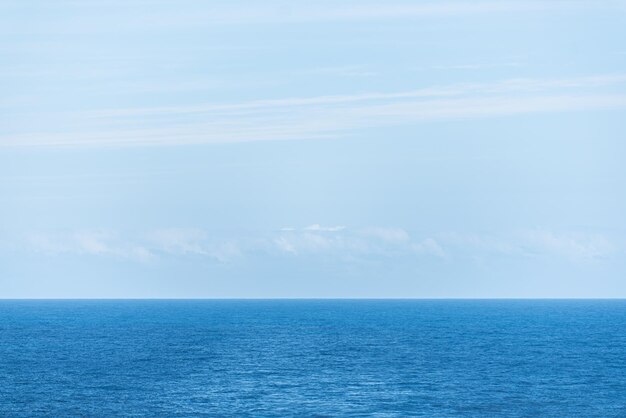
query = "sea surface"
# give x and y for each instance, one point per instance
(431, 358)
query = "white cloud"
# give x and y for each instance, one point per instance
(429, 246)
(309, 242)
(285, 245)
(574, 246)
(483, 244)
(88, 242)
(141, 253)
(317, 227)
(138, 17)
(454, 90)
(93, 242)
(471, 66)
(316, 239)
(323, 116)
(225, 251)
(180, 240)
(332, 242)
(317, 243)
(569, 245)
(345, 71)
(84, 242)
(387, 234)
(47, 244)
(191, 241)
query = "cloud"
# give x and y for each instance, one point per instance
(574, 246)
(482, 244)
(140, 253)
(79, 19)
(317, 227)
(387, 234)
(471, 66)
(571, 246)
(84, 242)
(285, 245)
(340, 241)
(323, 116)
(93, 242)
(226, 251)
(47, 244)
(329, 242)
(310, 242)
(179, 240)
(345, 71)
(89, 242)
(195, 242)
(508, 86)
(429, 246)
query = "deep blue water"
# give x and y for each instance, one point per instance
(302, 358)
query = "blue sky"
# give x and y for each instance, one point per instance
(326, 149)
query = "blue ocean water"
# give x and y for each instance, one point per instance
(313, 357)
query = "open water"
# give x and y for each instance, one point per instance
(313, 358)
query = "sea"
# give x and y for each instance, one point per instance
(300, 358)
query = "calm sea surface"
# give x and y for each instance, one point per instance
(303, 358)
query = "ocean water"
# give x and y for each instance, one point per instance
(313, 358)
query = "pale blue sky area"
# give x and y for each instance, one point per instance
(312, 149)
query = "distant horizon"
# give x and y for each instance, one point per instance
(311, 299)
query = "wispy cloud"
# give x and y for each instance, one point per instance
(466, 90)
(575, 246)
(195, 242)
(342, 243)
(160, 15)
(323, 116)
(179, 240)
(429, 247)
(319, 228)
(344, 71)
(472, 66)
(89, 242)
(387, 234)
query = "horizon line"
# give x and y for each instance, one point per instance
(323, 299)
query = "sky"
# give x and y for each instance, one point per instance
(328, 149)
